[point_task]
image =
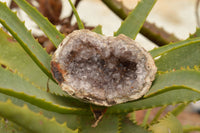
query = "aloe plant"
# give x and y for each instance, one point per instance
(32, 101)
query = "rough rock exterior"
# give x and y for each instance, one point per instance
(102, 70)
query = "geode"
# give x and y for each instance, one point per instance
(102, 70)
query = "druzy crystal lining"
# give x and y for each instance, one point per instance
(102, 70)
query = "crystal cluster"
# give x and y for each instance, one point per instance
(102, 70)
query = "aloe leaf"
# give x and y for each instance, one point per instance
(79, 22)
(31, 121)
(196, 34)
(71, 119)
(156, 117)
(116, 8)
(132, 117)
(176, 94)
(190, 128)
(14, 85)
(167, 48)
(150, 31)
(180, 86)
(50, 30)
(108, 124)
(12, 23)
(127, 126)
(7, 126)
(146, 117)
(98, 29)
(182, 57)
(13, 56)
(188, 78)
(177, 110)
(134, 21)
(169, 124)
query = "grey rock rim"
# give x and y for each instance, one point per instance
(102, 70)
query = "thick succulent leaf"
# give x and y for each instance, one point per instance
(134, 21)
(79, 22)
(190, 128)
(50, 30)
(177, 110)
(108, 124)
(13, 56)
(71, 119)
(31, 121)
(7, 126)
(167, 125)
(14, 85)
(196, 34)
(188, 78)
(12, 23)
(127, 126)
(156, 117)
(151, 31)
(165, 49)
(181, 57)
(116, 8)
(173, 87)
(98, 29)
(176, 94)
(146, 117)
(132, 117)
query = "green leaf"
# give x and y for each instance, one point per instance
(61, 118)
(180, 86)
(79, 22)
(196, 34)
(50, 30)
(176, 94)
(177, 110)
(116, 8)
(190, 128)
(167, 125)
(170, 47)
(7, 126)
(128, 127)
(14, 85)
(98, 29)
(184, 56)
(146, 117)
(134, 21)
(187, 78)
(13, 56)
(151, 31)
(108, 124)
(12, 23)
(156, 117)
(30, 120)
(132, 117)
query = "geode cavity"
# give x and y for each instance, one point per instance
(102, 70)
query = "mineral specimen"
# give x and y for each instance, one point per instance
(102, 70)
